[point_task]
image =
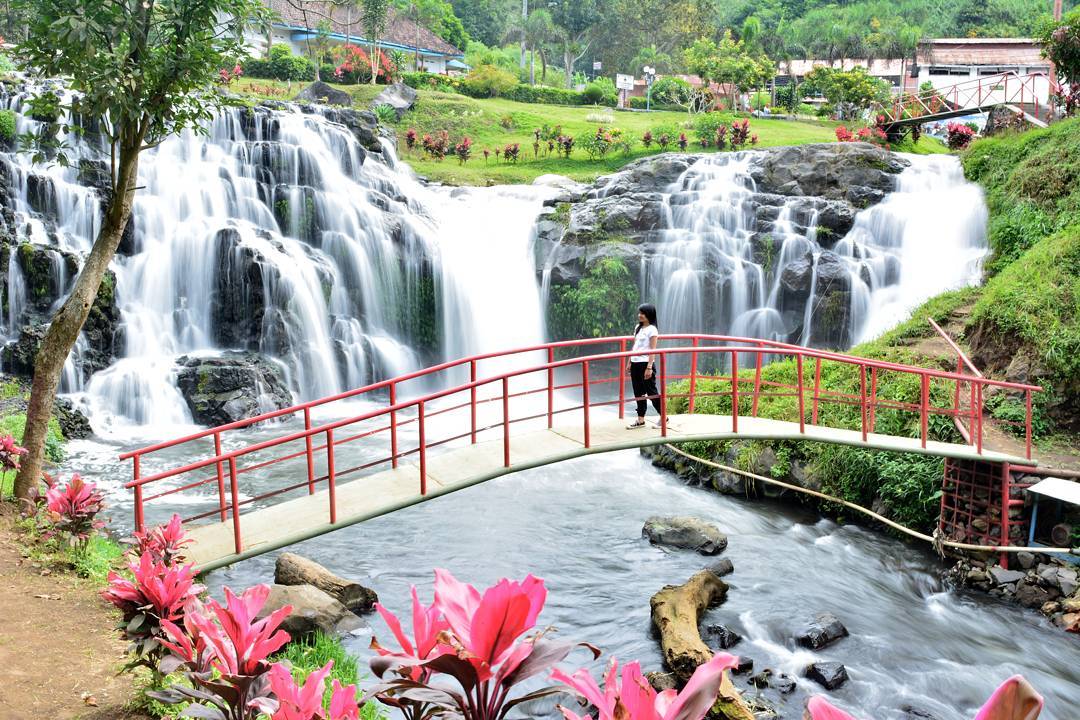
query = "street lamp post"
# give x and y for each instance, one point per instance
(650, 75)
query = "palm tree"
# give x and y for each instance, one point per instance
(534, 32)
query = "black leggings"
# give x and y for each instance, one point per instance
(644, 388)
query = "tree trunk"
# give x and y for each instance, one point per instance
(543, 67)
(68, 321)
(532, 67)
(374, 61)
(676, 612)
(293, 569)
(568, 64)
(524, 18)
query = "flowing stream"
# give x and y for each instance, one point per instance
(277, 232)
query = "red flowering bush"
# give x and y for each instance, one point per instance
(164, 543)
(305, 702)
(663, 141)
(511, 152)
(959, 135)
(682, 141)
(463, 150)
(226, 76)
(647, 138)
(566, 145)
(159, 592)
(473, 639)
(410, 139)
(844, 135)
(720, 137)
(740, 134)
(72, 510)
(436, 146)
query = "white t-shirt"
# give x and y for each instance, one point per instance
(642, 341)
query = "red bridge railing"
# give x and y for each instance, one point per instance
(713, 372)
(1008, 88)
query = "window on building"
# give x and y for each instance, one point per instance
(950, 70)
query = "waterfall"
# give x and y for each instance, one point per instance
(731, 260)
(276, 231)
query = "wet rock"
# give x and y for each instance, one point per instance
(829, 675)
(18, 356)
(1067, 581)
(293, 569)
(685, 532)
(662, 681)
(621, 217)
(220, 390)
(362, 124)
(744, 666)
(569, 190)
(649, 174)
(912, 712)
(1026, 560)
(320, 92)
(856, 172)
(784, 684)
(761, 708)
(762, 679)
(1032, 596)
(824, 630)
(95, 174)
(313, 610)
(73, 424)
(399, 96)
(721, 636)
(1001, 576)
(722, 567)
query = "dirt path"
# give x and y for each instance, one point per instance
(58, 650)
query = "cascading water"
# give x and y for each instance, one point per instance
(276, 231)
(731, 260)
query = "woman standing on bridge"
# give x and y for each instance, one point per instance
(640, 365)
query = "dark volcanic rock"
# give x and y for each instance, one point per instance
(18, 356)
(855, 172)
(824, 630)
(313, 610)
(361, 123)
(745, 665)
(650, 174)
(220, 390)
(829, 675)
(73, 424)
(722, 567)
(723, 637)
(688, 533)
(320, 92)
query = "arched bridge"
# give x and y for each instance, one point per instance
(278, 478)
(1023, 93)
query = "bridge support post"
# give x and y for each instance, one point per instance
(221, 474)
(1006, 476)
(924, 413)
(693, 378)
(815, 402)
(1027, 424)
(584, 400)
(506, 420)
(799, 385)
(422, 451)
(308, 451)
(873, 397)
(622, 381)
(757, 378)
(978, 418)
(138, 507)
(472, 400)
(330, 480)
(393, 426)
(234, 496)
(663, 395)
(862, 401)
(551, 386)
(734, 392)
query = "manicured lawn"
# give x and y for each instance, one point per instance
(495, 123)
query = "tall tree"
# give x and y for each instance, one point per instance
(574, 21)
(485, 20)
(141, 70)
(729, 63)
(424, 14)
(535, 32)
(374, 16)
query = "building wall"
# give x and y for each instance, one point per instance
(942, 77)
(256, 45)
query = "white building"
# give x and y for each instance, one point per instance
(296, 23)
(946, 62)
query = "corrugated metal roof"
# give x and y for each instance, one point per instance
(1059, 489)
(400, 30)
(981, 51)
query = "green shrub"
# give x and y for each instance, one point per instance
(541, 94)
(671, 91)
(6, 65)
(601, 91)
(637, 103)
(95, 559)
(488, 81)
(7, 125)
(705, 126)
(281, 65)
(431, 81)
(599, 305)
(54, 439)
(1015, 230)
(760, 100)
(386, 114)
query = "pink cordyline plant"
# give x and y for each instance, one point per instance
(159, 593)
(164, 543)
(305, 702)
(631, 697)
(71, 510)
(10, 453)
(223, 654)
(1014, 699)
(480, 646)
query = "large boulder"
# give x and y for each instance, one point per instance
(858, 173)
(320, 92)
(293, 569)
(676, 611)
(312, 610)
(234, 386)
(399, 96)
(824, 630)
(830, 675)
(685, 532)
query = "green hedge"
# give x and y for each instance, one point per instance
(281, 65)
(535, 94)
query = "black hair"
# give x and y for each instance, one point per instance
(649, 311)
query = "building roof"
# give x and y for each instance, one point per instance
(1059, 489)
(981, 51)
(876, 67)
(400, 30)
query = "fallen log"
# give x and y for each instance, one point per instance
(676, 612)
(293, 569)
